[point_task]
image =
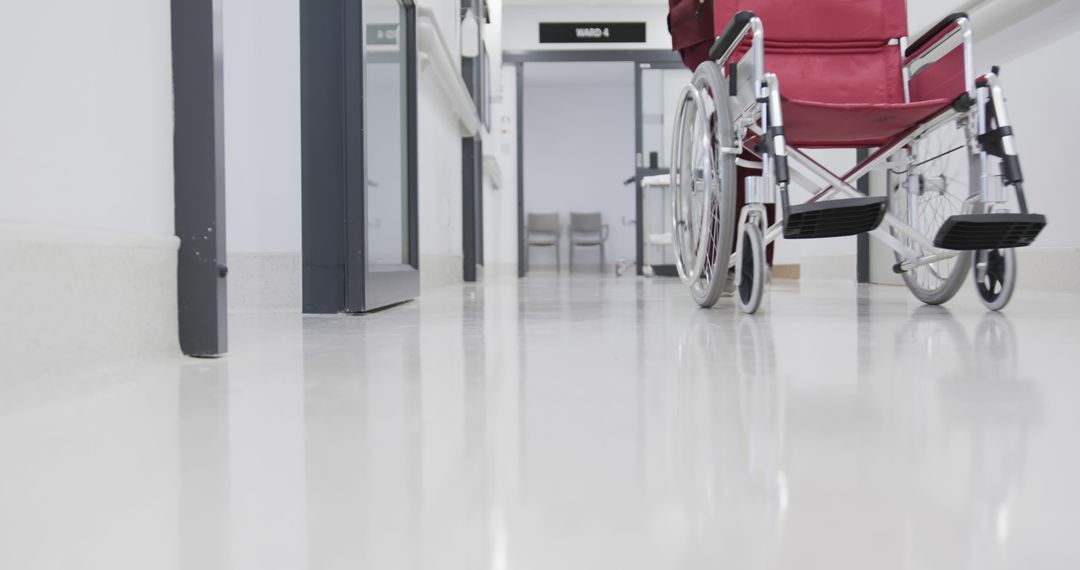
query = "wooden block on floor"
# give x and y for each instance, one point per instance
(788, 271)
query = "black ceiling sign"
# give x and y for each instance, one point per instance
(592, 32)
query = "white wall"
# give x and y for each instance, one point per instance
(579, 147)
(1039, 81)
(440, 166)
(440, 157)
(87, 251)
(1039, 84)
(500, 205)
(262, 125)
(262, 153)
(86, 114)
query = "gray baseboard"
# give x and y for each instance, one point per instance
(265, 282)
(73, 301)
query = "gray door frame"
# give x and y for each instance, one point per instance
(199, 171)
(337, 277)
(862, 251)
(641, 169)
(655, 58)
(519, 67)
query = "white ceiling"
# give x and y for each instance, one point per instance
(580, 73)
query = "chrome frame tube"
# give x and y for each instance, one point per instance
(842, 184)
(1002, 117)
(908, 265)
(757, 49)
(925, 58)
(992, 93)
(873, 162)
(903, 42)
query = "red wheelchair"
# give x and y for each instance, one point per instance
(841, 74)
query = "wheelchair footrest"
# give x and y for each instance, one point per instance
(989, 231)
(834, 218)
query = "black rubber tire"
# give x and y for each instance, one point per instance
(996, 288)
(751, 266)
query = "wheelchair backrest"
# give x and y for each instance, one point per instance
(830, 51)
(821, 22)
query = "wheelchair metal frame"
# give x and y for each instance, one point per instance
(758, 108)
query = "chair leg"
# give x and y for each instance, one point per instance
(558, 258)
(571, 257)
(602, 264)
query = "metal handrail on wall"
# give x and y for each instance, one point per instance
(436, 56)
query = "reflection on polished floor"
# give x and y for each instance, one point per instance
(579, 423)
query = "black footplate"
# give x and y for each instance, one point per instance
(834, 218)
(989, 231)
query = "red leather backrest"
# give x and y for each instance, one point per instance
(820, 21)
(831, 51)
(849, 76)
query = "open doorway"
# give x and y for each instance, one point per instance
(578, 149)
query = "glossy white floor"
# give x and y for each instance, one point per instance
(580, 423)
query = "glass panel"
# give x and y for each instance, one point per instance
(660, 89)
(386, 122)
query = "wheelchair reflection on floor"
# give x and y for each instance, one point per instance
(841, 74)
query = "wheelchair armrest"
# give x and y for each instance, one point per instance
(927, 38)
(732, 34)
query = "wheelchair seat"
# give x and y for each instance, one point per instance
(814, 124)
(838, 62)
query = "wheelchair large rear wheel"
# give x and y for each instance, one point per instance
(703, 185)
(936, 185)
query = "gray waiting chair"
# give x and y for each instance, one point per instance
(587, 230)
(543, 230)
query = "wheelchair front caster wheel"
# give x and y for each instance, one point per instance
(995, 276)
(751, 268)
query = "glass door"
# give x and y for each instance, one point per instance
(658, 88)
(391, 254)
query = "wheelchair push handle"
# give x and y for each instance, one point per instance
(933, 33)
(732, 33)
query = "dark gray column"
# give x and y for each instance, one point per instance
(639, 195)
(472, 160)
(521, 167)
(862, 252)
(198, 155)
(472, 188)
